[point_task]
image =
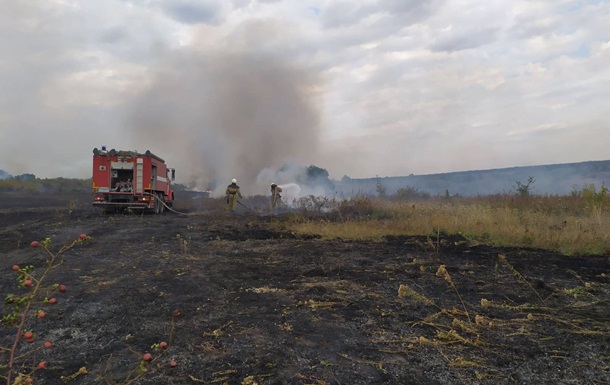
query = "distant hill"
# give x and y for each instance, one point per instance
(557, 179)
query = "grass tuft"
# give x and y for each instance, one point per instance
(563, 224)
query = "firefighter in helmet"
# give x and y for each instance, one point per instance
(276, 198)
(232, 193)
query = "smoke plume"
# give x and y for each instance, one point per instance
(217, 113)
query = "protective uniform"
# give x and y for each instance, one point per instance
(276, 198)
(232, 193)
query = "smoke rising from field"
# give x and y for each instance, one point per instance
(216, 114)
(311, 180)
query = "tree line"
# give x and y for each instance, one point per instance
(31, 184)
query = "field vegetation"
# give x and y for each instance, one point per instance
(55, 185)
(576, 224)
(400, 288)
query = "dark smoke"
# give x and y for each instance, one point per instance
(228, 113)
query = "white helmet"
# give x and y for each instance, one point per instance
(233, 180)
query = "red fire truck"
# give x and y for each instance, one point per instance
(131, 180)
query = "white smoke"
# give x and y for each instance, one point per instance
(290, 192)
(296, 180)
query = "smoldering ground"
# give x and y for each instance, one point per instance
(258, 303)
(227, 113)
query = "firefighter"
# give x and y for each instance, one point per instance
(127, 187)
(232, 193)
(276, 198)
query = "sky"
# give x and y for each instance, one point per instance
(240, 88)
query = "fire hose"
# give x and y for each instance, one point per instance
(247, 208)
(168, 207)
(178, 212)
(181, 213)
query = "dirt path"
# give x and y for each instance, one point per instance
(259, 305)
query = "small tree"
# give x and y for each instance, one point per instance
(408, 193)
(525, 189)
(380, 188)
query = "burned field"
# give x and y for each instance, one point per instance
(241, 300)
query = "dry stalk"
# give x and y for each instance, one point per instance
(518, 275)
(460, 362)
(453, 336)
(377, 364)
(577, 276)
(465, 326)
(81, 371)
(443, 273)
(310, 378)
(578, 329)
(315, 305)
(488, 303)
(429, 321)
(406, 291)
(184, 244)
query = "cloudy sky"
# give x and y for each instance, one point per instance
(224, 89)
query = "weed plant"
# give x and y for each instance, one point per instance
(575, 224)
(21, 347)
(20, 316)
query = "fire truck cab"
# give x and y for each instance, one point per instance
(131, 180)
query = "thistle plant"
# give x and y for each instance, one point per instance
(33, 294)
(443, 273)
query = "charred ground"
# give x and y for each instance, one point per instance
(260, 304)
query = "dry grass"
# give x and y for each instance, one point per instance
(564, 224)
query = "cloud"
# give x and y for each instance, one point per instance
(464, 40)
(377, 87)
(193, 11)
(344, 13)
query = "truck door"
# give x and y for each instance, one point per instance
(153, 178)
(138, 177)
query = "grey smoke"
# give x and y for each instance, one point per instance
(220, 114)
(298, 179)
